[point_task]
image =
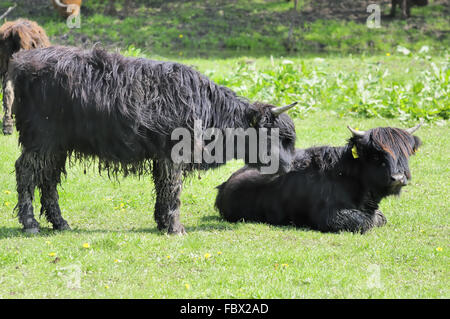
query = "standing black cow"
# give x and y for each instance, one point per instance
(406, 5)
(122, 111)
(330, 189)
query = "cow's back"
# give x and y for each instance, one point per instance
(93, 102)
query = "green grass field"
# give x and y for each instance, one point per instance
(115, 250)
(127, 256)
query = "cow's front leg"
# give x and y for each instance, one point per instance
(27, 166)
(168, 184)
(405, 9)
(8, 99)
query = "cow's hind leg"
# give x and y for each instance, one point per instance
(27, 166)
(50, 178)
(8, 99)
(353, 220)
(168, 184)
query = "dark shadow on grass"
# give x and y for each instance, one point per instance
(233, 226)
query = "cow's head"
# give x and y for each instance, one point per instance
(382, 154)
(271, 118)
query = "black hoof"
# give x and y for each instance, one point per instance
(7, 132)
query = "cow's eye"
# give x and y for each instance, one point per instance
(383, 164)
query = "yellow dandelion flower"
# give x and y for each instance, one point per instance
(219, 253)
(122, 205)
(207, 256)
(284, 265)
(180, 36)
(7, 192)
(52, 254)
(7, 204)
(117, 261)
(388, 54)
(106, 287)
(187, 286)
(439, 249)
(86, 245)
(168, 256)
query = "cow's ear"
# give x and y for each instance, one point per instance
(417, 143)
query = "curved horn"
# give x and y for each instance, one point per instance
(60, 4)
(356, 132)
(278, 110)
(413, 129)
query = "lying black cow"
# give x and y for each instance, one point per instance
(330, 189)
(406, 5)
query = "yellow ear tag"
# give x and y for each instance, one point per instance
(354, 152)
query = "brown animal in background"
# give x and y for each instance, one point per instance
(406, 5)
(64, 9)
(16, 35)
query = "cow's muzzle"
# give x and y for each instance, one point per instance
(399, 180)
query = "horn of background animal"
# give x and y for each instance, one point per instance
(356, 132)
(278, 110)
(62, 5)
(413, 129)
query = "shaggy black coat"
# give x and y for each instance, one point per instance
(329, 189)
(121, 111)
